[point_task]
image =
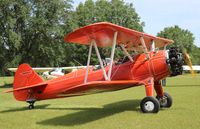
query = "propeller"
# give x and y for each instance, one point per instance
(188, 61)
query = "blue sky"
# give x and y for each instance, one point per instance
(158, 14)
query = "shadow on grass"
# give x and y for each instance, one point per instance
(24, 108)
(8, 85)
(91, 114)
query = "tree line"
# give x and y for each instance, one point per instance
(32, 31)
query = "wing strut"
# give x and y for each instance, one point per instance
(126, 53)
(88, 62)
(153, 48)
(144, 47)
(112, 54)
(93, 43)
(100, 61)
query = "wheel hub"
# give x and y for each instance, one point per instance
(163, 101)
(149, 106)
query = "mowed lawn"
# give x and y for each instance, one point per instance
(112, 110)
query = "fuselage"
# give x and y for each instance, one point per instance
(138, 70)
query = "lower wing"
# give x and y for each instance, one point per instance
(99, 86)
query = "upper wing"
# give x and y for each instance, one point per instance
(103, 34)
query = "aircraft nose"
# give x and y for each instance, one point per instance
(175, 61)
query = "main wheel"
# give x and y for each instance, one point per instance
(150, 105)
(166, 101)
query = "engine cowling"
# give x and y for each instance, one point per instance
(175, 61)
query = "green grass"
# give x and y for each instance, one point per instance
(114, 110)
(6, 82)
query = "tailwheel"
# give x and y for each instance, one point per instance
(150, 105)
(165, 101)
(31, 106)
(31, 103)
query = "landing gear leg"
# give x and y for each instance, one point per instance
(165, 101)
(158, 88)
(164, 98)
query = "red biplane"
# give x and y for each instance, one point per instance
(146, 65)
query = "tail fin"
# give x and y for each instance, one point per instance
(24, 77)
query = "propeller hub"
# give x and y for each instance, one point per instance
(174, 61)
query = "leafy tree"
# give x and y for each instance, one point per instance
(31, 31)
(183, 39)
(114, 11)
(195, 56)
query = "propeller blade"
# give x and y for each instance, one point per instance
(188, 62)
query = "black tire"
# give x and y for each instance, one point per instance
(150, 105)
(31, 107)
(166, 102)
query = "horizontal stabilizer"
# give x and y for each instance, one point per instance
(26, 88)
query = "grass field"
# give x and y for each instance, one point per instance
(114, 110)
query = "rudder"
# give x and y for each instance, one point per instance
(25, 76)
